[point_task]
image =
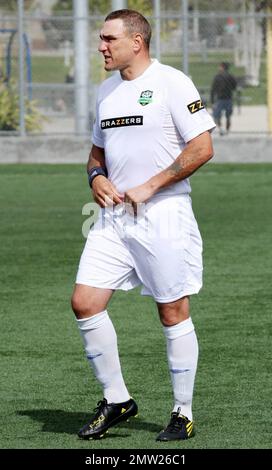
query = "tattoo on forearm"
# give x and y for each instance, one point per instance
(175, 168)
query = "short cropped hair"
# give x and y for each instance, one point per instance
(225, 65)
(134, 22)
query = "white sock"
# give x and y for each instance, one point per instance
(100, 343)
(182, 353)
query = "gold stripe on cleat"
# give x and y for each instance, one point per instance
(189, 428)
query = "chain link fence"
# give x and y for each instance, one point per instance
(237, 38)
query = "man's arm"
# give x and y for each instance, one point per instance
(197, 152)
(96, 158)
(104, 192)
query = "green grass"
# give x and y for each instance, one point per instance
(49, 70)
(47, 388)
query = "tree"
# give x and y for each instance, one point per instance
(263, 4)
(9, 110)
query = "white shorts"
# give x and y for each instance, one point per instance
(160, 249)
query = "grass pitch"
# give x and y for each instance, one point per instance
(47, 388)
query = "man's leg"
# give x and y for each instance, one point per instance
(217, 115)
(182, 353)
(100, 342)
(228, 121)
(229, 110)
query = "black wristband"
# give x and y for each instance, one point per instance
(96, 171)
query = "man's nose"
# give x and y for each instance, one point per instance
(102, 46)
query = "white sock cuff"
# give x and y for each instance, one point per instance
(181, 329)
(93, 322)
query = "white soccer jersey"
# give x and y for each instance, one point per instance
(144, 124)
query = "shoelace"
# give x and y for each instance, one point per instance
(96, 419)
(101, 404)
(175, 423)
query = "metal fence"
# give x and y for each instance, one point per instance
(195, 41)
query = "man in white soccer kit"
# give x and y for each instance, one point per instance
(151, 133)
(139, 140)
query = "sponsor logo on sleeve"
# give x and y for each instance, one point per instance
(124, 121)
(195, 106)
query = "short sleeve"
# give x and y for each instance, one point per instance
(97, 137)
(186, 108)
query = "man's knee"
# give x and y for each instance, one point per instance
(87, 301)
(174, 312)
(80, 306)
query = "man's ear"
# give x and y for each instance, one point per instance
(138, 42)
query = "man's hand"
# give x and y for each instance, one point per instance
(105, 193)
(138, 195)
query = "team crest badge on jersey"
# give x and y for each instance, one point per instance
(145, 97)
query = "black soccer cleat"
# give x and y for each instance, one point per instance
(179, 427)
(106, 416)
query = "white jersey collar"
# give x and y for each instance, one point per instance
(148, 70)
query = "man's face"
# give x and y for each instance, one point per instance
(116, 45)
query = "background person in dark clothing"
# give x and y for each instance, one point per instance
(221, 95)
